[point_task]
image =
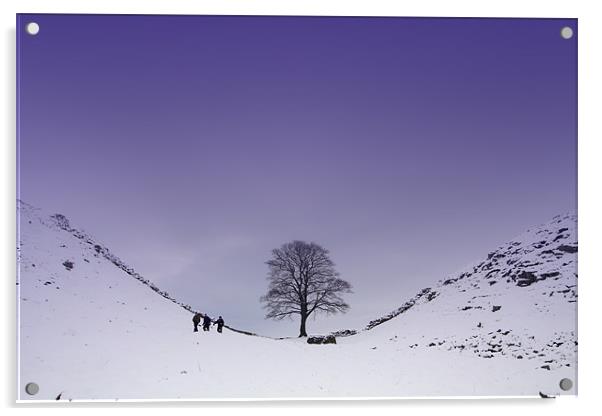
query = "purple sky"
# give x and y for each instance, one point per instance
(193, 145)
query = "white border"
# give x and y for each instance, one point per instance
(590, 207)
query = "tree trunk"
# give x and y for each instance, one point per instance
(302, 332)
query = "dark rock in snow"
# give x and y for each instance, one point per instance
(567, 249)
(432, 295)
(491, 273)
(61, 221)
(551, 274)
(495, 308)
(328, 339)
(344, 333)
(526, 279)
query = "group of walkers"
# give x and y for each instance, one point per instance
(207, 321)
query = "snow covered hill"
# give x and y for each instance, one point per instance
(90, 327)
(520, 302)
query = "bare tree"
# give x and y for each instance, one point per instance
(303, 280)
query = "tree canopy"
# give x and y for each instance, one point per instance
(302, 281)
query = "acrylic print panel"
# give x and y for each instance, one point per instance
(375, 207)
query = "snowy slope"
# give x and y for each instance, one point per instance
(520, 302)
(91, 328)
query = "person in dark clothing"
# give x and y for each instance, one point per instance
(206, 323)
(220, 324)
(196, 320)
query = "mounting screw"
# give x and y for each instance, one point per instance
(566, 384)
(32, 28)
(32, 389)
(566, 32)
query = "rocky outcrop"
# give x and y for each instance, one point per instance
(428, 294)
(344, 333)
(328, 339)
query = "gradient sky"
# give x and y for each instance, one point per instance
(193, 145)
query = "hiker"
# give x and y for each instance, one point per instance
(196, 320)
(220, 324)
(206, 323)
